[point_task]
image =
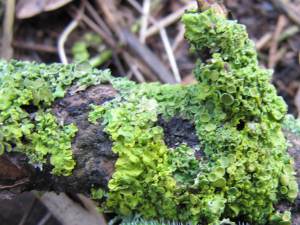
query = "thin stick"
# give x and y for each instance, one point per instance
(145, 18)
(263, 41)
(98, 19)
(170, 54)
(134, 69)
(106, 38)
(62, 39)
(28, 211)
(282, 21)
(8, 24)
(291, 12)
(165, 39)
(45, 218)
(65, 34)
(34, 47)
(168, 20)
(20, 183)
(179, 38)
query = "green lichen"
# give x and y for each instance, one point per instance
(27, 91)
(281, 218)
(141, 221)
(291, 124)
(245, 169)
(97, 194)
(184, 165)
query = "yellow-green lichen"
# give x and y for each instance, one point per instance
(245, 170)
(27, 91)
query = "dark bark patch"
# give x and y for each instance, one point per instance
(178, 131)
(92, 147)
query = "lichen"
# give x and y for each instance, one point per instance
(27, 125)
(245, 169)
(291, 124)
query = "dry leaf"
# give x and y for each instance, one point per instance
(30, 8)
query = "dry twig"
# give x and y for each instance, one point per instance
(45, 218)
(133, 44)
(67, 31)
(165, 40)
(34, 47)
(281, 23)
(8, 24)
(291, 12)
(145, 18)
(168, 20)
(98, 19)
(28, 211)
(263, 41)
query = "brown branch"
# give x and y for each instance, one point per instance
(93, 154)
(91, 149)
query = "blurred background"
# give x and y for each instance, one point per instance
(139, 39)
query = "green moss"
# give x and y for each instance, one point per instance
(27, 91)
(237, 113)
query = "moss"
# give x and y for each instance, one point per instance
(27, 91)
(245, 169)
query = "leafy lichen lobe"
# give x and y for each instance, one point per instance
(27, 124)
(245, 169)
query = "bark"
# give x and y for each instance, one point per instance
(92, 150)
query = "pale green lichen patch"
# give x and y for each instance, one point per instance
(291, 124)
(27, 91)
(245, 169)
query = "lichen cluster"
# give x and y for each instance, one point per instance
(245, 169)
(27, 91)
(291, 124)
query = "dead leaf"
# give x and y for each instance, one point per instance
(29, 8)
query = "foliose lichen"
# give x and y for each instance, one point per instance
(245, 169)
(291, 124)
(27, 125)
